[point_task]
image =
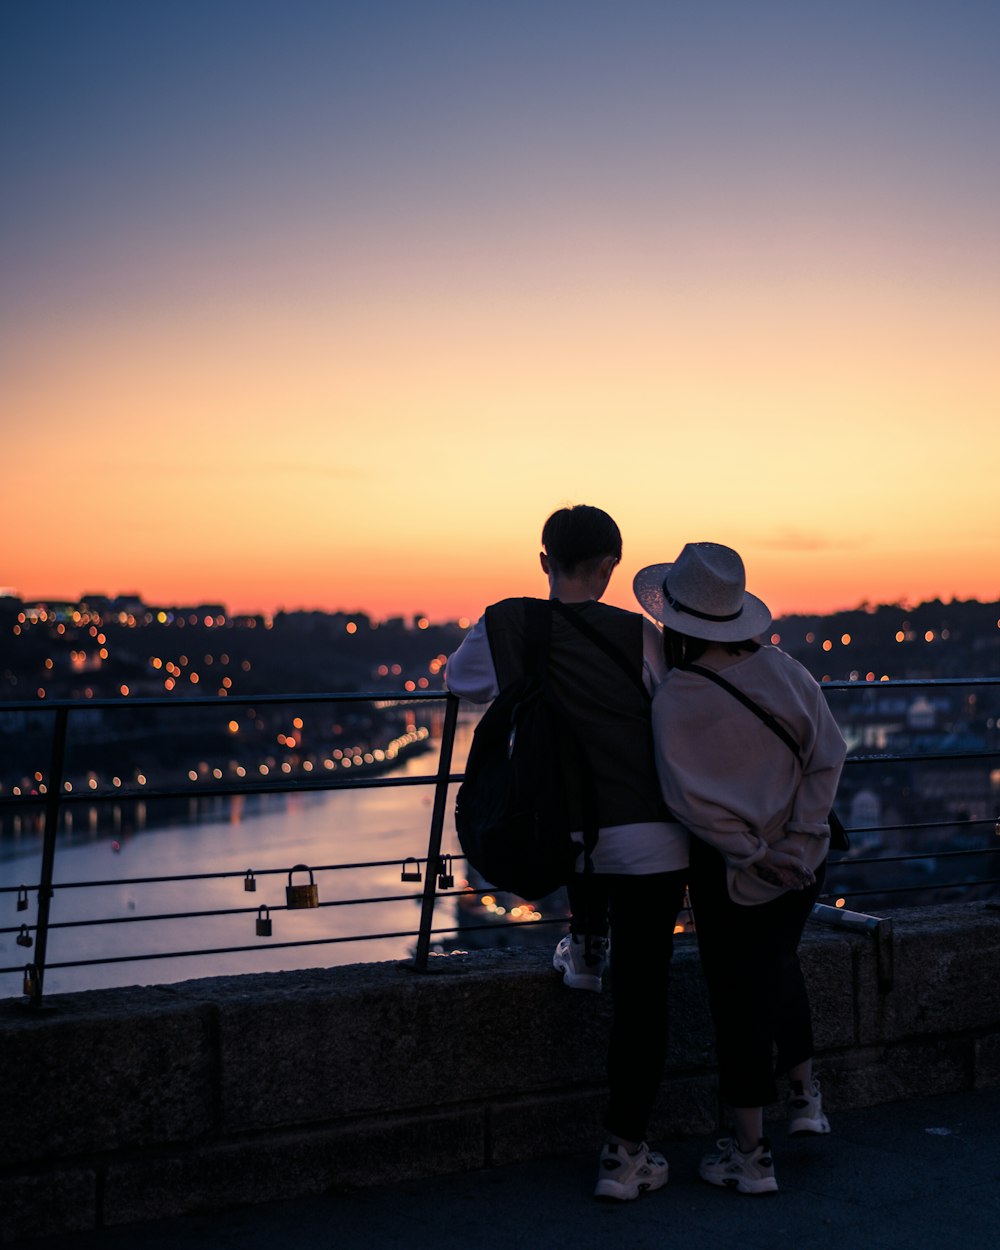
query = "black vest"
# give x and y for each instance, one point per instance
(610, 714)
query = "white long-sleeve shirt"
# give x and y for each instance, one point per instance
(732, 781)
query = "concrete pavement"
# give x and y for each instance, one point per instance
(910, 1175)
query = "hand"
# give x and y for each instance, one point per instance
(784, 869)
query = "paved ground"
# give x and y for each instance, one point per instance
(911, 1176)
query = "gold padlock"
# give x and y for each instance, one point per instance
(301, 895)
(32, 981)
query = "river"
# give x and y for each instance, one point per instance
(270, 832)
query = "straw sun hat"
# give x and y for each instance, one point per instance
(703, 594)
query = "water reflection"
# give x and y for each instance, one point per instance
(106, 851)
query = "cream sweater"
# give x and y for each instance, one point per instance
(732, 781)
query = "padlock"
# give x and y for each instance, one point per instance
(32, 982)
(446, 878)
(411, 874)
(22, 898)
(301, 895)
(250, 882)
(263, 921)
(24, 937)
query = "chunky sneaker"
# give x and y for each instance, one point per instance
(805, 1110)
(624, 1176)
(580, 971)
(751, 1173)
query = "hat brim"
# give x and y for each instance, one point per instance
(754, 617)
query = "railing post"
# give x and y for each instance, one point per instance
(37, 980)
(436, 830)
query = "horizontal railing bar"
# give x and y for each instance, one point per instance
(927, 824)
(222, 911)
(291, 785)
(392, 698)
(909, 889)
(239, 874)
(915, 858)
(298, 785)
(923, 756)
(904, 683)
(402, 697)
(231, 950)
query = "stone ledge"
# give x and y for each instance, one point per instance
(46, 1202)
(229, 1090)
(286, 1165)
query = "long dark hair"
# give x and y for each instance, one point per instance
(679, 649)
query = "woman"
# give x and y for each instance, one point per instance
(757, 797)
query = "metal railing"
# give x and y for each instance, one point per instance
(433, 870)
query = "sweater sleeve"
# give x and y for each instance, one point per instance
(470, 672)
(822, 762)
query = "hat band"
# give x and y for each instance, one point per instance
(702, 616)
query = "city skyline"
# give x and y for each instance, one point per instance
(314, 306)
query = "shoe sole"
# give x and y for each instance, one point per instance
(615, 1191)
(577, 980)
(742, 1185)
(804, 1127)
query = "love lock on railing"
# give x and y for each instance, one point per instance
(411, 873)
(297, 896)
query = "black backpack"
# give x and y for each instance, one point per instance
(527, 775)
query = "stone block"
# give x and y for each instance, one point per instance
(47, 1203)
(986, 1062)
(870, 996)
(104, 1070)
(692, 1037)
(544, 1125)
(686, 1106)
(342, 1042)
(945, 970)
(289, 1165)
(867, 1076)
(827, 960)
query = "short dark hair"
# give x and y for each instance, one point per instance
(580, 535)
(682, 649)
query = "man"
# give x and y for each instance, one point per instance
(640, 860)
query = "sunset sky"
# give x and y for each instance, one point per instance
(319, 304)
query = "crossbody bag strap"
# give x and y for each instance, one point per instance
(771, 722)
(612, 651)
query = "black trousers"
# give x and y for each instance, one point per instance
(755, 986)
(643, 911)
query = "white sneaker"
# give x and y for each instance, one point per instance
(579, 972)
(624, 1176)
(751, 1173)
(805, 1110)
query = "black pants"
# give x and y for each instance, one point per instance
(755, 986)
(643, 911)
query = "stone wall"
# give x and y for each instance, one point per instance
(128, 1105)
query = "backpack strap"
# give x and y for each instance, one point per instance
(537, 637)
(771, 722)
(612, 651)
